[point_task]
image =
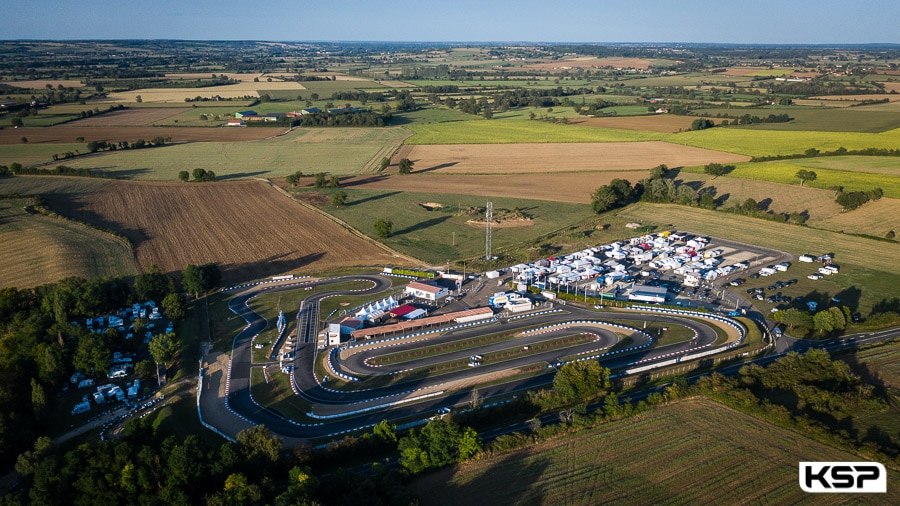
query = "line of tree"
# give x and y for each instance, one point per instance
(747, 119)
(343, 119)
(841, 151)
(660, 189)
(200, 175)
(17, 169)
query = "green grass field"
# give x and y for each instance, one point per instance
(854, 178)
(844, 119)
(887, 165)
(31, 153)
(752, 142)
(693, 451)
(333, 150)
(441, 235)
(39, 249)
(50, 186)
(519, 131)
(883, 362)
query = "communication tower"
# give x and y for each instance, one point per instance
(488, 218)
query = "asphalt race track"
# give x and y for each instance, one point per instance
(423, 396)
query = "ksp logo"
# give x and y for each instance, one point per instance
(843, 477)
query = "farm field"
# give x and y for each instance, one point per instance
(874, 218)
(251, 229)
(32, 153)
(129, 117)
(884, 361)
(663, 123)
(42, 83)
(333, 150)
(888, 165)
(61, 138)
(587, 61)
(779, 198)
(553, 158)
(769, 142)
(831, 119)
(784, 172)
(39, 249)
(50, 186)
(575, 188)
(442, 234)
(519, 131)
(692, 451)
(177, 95)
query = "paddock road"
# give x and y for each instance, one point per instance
(422, 395)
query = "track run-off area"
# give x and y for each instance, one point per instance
(413, 375)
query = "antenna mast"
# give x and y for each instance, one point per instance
(488, 218)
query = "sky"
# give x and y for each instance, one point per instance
(701, 21)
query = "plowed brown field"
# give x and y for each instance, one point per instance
(68, 134)
(554, 158)
(249, 228)
(566, 187)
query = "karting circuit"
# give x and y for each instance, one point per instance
(414, 370)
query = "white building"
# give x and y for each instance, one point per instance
(426, 291)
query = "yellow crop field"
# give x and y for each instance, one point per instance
(785, 172)
(177, 95)
(751, 142)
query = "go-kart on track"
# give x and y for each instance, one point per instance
(344, 410)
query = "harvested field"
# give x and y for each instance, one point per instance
(249, 228)
(177, 95)
(50, 186)
(874, 218)
(128, 117)
(206, 75)
(569, 187)
(66, 134)
(664, 123)
(693, 451)
(554, 158)
(42, 84)
(780, 198)
(637, 63)
(40, 249)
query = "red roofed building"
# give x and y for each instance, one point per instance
(401, 311)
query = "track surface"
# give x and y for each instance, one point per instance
(240, 402)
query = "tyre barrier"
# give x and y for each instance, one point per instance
(267, 282)
(529, 315)
(333, 368)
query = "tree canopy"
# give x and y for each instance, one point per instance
(201, 279)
